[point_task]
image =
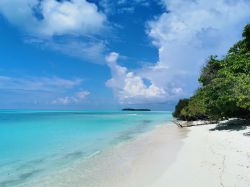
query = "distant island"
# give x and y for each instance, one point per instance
(134, 109)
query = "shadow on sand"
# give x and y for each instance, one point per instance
(233, 125)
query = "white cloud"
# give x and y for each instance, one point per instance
(187, 35)
(70, 27)
(46, 84)
(40, 90)
(51, 17)
(78, 97)
(122, 6)
(129, 87)
(93, 51)
(135, 86)
(112, 58)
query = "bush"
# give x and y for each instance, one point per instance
(179, 107)
(190, 109)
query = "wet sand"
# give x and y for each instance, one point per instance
(138, 162)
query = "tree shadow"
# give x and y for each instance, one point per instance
(246, 134)
(233, 125)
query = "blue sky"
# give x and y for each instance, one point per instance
(101, 54)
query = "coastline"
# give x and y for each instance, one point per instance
(166, 156)
(138, 162)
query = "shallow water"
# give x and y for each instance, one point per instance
(34, 143)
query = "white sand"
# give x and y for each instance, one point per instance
(166, 157)
(210, 159)
(137, 163)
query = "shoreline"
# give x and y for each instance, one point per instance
(166, 156)
(138, 162)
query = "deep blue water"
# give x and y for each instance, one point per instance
(33, 143)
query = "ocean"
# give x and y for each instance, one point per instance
(36, 143)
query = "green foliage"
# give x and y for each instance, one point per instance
(246, 36)
(191, 109)
(180, 105)
(209, 72)
(242, 46)
(225, 90)
(195, 109)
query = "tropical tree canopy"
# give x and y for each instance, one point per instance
(225, 86)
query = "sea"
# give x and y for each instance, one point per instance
(35, 143)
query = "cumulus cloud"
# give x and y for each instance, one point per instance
(187, 33)
(129, 87)
(52, 17)
(69, 26)
(78, 97)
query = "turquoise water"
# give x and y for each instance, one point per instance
(33, 143)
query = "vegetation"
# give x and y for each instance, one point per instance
(183, 103)
(225, 86)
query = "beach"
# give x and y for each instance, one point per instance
(166, 156)
(125, 93)
(211, 158)
(138, 162)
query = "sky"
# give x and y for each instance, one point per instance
(106, 54)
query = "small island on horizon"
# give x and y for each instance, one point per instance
(125, 93)
(136, 109)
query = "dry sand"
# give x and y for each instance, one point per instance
(219, 158)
